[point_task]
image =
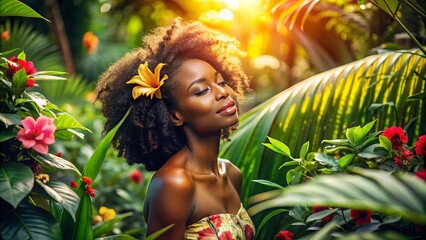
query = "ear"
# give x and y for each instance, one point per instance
(177, 118)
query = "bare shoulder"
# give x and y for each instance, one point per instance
(234, 174)
(169, 200)
(172, 179)
(169, 183)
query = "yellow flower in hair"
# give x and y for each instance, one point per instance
(148, 83)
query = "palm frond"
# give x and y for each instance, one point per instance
(38, 48)
(322, 107)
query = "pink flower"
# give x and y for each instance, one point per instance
(361, 217)
(421, 174)
(136, 176)
(396, 135)
(284, 235)
(27, 65)
(37, 134)
(421, 146)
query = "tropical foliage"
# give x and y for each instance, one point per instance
(387, 87)
(344, 196)
(303, 37)
(37, 203)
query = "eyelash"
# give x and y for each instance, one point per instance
(204, 91)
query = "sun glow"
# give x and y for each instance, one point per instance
(232, 4)
(226, 14)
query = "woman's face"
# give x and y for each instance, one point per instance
(204, 101)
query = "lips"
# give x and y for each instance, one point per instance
(228, 107)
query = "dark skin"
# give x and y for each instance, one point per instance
(194, 183)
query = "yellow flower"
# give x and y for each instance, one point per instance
(107, 213)
(148, 83)
(44, 178)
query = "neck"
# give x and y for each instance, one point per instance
(203, 151)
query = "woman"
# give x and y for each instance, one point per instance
(182, 87)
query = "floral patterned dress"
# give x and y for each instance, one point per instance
(224, 226)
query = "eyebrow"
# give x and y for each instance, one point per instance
(200, 80)
(195, 82)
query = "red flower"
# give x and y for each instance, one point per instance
(30, 83)
(421, 146)
(18, 65)
(326, 219)
(361, 217)
(396, 135)
(284, 235)
(73, 184)
(248, 232)
(87, 180)
(402, 157)
(59, 154)
(136, 176)
(89, 190)
(421, 174)
(37, 134)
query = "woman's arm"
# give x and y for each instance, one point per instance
(170, 202)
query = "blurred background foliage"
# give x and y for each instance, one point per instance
(286, 42)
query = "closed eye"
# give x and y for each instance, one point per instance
(222, 83)
(202, 92)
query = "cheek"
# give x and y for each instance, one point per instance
(231, 92)
(199, 107)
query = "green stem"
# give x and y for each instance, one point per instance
(412, 36)
(415, 8)
(390, 13)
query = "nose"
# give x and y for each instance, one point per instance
(220, 92)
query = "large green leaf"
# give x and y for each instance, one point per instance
(83, 230)
(84, 218)
(375, 190)
(62, 194)
(64, 123)
(10, 119)
(117, 237)
(16, 182)
(56, 163)
(323, 107)
(107, 226)
(159, 232)
(18, 9)
(27, 222)
(95, 162)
